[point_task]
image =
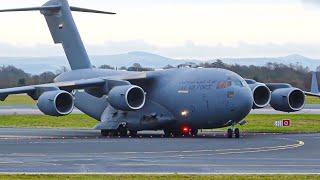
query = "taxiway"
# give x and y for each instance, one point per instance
(85, 151)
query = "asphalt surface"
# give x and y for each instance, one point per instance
(85, 151)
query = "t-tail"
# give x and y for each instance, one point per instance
(314, 84)
(64, 30)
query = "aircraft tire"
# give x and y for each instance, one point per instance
(167, 133)
(237, 133)
(177, 133)
(123, 131)
(230, 133)
(194, 132)
(133, 133)
(105, 132)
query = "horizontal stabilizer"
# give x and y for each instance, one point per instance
(89, 10)
(33, 9)
(56, 8)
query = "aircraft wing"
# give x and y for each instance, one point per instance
(311, 94)
(36, 90)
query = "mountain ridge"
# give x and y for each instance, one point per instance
(36, 65)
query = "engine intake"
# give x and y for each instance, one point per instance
(261, 95)
(56, 103)
(288, 99)
(127, 98)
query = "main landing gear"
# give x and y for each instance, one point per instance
(180, 132)
(122, 131)
(233, 131)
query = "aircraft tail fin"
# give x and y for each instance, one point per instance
(314, 83)
(64, 30)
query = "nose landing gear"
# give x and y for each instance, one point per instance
(123, 130)
(233, 131)
(237, 133)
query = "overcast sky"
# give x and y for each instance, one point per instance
(202, 29)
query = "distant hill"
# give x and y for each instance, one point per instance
(312, 64)
(36, 65)
(143, 58)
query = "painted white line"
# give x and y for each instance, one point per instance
(218, 165)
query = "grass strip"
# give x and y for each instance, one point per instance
(157, 177)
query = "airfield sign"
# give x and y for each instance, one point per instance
(283, 123)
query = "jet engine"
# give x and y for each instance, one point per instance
(261, 95)
(56, 103)
(288, 99)
(127, 97)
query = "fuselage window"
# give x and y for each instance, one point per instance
(230, 82)
(224, 84)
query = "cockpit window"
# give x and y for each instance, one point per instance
(237, 82)
(244, 83)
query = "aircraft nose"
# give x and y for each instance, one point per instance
(244, 102)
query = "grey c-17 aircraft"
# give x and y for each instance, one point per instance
(178, 101)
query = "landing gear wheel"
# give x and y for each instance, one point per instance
(133, 133)
(105, 132)
(177, 133)
(123, 131)
(194, 132)
(230, 133)
(167, 133)
(237, 133)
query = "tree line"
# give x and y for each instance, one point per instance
(294, 74)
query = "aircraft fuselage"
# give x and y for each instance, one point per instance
(197, 98)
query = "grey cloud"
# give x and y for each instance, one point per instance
(311, 2)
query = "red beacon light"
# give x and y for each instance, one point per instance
(185, 130)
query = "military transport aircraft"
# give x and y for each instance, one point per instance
(178, 101)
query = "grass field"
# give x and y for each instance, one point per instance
(41, 121)
(155, 177)
(22, 100)
(312, 100)
(256, 123)
(301, 123)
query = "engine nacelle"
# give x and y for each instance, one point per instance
(288, 99)
(56, 103)
(261, 95)
(127, 97)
